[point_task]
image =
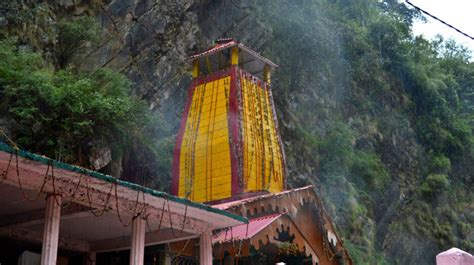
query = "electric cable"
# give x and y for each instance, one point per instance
(439, 20)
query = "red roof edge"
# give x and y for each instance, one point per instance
(226, 43)
(218, 46)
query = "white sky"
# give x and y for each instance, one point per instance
(459, 13)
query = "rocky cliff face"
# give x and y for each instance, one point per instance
(349, 132)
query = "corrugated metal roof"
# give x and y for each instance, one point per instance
(245, 231)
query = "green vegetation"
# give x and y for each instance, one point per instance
(359, 255)
(434, 183)
(73, 36)
(89, 117)
(380, 120)
(369, 168)
(59, 113)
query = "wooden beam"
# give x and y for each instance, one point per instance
(205, 248)
(267, 74)
(195, 72)
(34, 236)
(234, 56)
(137, 250)
(151, 238)
(37, 216)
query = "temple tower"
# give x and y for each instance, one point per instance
(228, 143)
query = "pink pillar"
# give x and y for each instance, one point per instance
(137, 251)
(49, 252)
(205, 249)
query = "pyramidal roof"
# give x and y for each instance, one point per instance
(249, 60)
(454, 251)
(222, 44)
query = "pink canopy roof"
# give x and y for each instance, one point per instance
(245, 231)
(454, 256)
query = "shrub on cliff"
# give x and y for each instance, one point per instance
(59, 113)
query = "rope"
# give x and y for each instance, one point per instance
(169, 215)
(161, 219)
(213, 128)
(74, 191)
(239, 249)
(23, 192)
(73, 194)
(253, 130)
(54, 188)
(261, 147)
(196, 133)
(184, 218)
(178, 254)
(187, 144)
(207, 140)
(262, 134)
(244, 131)
(135, 215)
(269, 135)
(188, 153)
(248, 126)
(191, 142)
(221, 255)
(5, 172)
(104, 208)
(257, 133)
(171, 223)
(279, 146)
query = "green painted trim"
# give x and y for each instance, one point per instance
(160, 194)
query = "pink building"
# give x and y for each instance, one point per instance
(454, 256)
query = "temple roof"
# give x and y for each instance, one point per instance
(250, 60)
(270, 212)
(245, 231)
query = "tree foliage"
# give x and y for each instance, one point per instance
(59, 113)
(379, 119)
(73, 36)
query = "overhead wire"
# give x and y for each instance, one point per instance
(439, 20)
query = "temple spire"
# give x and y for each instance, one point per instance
(228, 143)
